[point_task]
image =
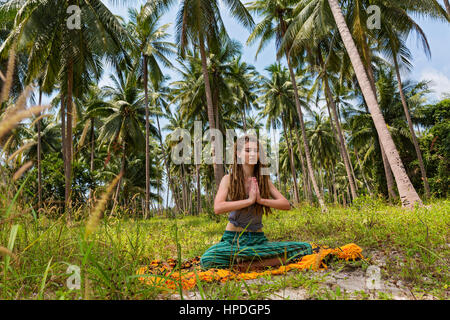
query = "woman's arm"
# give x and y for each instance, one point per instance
(278, 201)
(221, 204)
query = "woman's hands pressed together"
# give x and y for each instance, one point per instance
(277, 201)
(221, 205)
(254, 194)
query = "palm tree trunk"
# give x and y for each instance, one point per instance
(340, 136)
(344, 201)
(166, 164)
(387, 168)
(189, 192)
(411, 130)
(63, 128)
(176, 196)
(321, 180)
(303, 129)
(122, 170)
(277, 163)
(333, 177)
(39, 156)
(157, 197)
(183, 195)
(218, 168)
(244, 119)
(302, 124)
(362, 173)
(291, 162)
(388, 173)
(69, 146)
(293, 165)
(407, 192)
(305, 142)
(347, 153)
(306, 185)
(215, 100)
(348, 193)
(91, 191)
(63, 133)
(351, 167)
(183, 190)
(447, 7)
(197, 175)
(167, 198)
(147, 150)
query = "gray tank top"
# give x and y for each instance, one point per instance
(240, 218)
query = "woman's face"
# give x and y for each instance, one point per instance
(249, 153)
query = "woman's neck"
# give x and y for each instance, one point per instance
(248, 170)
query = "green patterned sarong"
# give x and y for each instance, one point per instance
(236, 246)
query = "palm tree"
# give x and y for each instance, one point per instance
(323, 144)
(92, 101)
(406, 190)
(324, 68)
(242, 79)
(199, 23)
(159, 96)
(72, 54)
(279, 12)
(148, 42)
(276, 93)
(392, 43)
(318, 11)
(176, 122)
(124, 118)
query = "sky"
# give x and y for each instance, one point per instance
(436, 69)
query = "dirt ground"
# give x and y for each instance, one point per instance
(351, 283)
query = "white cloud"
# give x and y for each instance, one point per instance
(440, 83)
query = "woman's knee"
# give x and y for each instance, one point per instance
(208, 261)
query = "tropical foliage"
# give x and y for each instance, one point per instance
(344, 132)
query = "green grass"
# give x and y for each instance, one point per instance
(416, 244)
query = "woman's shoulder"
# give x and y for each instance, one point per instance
(226, 178)
(225, 182)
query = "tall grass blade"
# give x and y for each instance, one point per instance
(44, 280)
(15, 197)
(11, 242)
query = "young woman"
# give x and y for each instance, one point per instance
(249, 194)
